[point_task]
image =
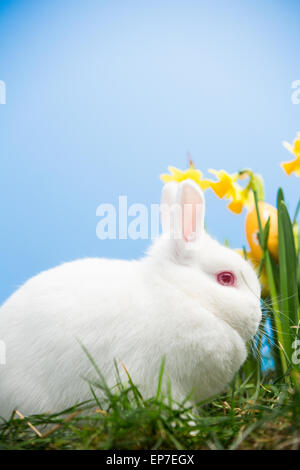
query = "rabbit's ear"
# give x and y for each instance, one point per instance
(190, 199)
(168, 199)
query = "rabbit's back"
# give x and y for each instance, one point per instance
(93, 301)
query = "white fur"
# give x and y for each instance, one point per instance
(166, 304)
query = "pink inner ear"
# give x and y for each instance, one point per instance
(192, 208)
(189, 222)
(191, 214)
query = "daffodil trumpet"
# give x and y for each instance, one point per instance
(292, 166)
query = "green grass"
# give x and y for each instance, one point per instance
(249, 416)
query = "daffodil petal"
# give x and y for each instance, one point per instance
(176, 172)
(236, 207)
(297, 148)
(297, 169)
(221, 188)
(291, 166)
(220, 173)
(288, 146)
(214, 172)
(204, 184)
(166, 178)
(179, 175)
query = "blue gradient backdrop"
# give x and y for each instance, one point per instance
(103, 95)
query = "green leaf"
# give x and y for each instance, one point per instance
(288, 301)
(280, 197)
(160, 377)
(296, 212)
(276, 318)
(265, 235)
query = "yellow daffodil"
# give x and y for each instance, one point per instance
(243, 198)
(226, 184)
(236, 206)
(293, 165)
(179, 175)
(228, 187)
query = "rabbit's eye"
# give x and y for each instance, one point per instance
(226, 278)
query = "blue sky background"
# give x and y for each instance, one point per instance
(103, 95)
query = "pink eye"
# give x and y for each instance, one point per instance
(226, 278)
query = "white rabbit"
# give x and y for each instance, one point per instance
(189, 299)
